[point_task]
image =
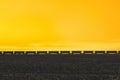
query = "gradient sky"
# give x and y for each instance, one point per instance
(59, 24)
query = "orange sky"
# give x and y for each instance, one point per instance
(59, 24)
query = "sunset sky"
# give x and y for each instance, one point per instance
(59, 24)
